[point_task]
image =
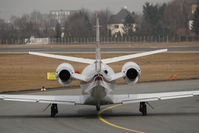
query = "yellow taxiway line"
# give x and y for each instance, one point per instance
(111, 124)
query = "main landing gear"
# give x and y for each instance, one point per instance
(98, 107)
(54, 110)
(143, 108)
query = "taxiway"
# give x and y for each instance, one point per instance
(172, 116)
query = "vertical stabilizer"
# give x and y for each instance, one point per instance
(98, 48)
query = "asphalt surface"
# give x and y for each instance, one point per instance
(174, 49)
(172, 116)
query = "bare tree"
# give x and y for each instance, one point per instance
(151, 20)
(78, 24)
(196, 21)
(174, 18)
(104, 18)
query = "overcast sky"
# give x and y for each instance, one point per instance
(9, 8)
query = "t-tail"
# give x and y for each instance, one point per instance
(98, 48)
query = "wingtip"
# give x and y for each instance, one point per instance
(29, 52)
(32, 53)
(164, 50)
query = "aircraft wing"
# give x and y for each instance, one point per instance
(136, 98)
(71, 100)
(131, 56)
(68, 58)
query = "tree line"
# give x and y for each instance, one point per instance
(168, 19)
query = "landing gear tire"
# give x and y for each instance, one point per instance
(143, 108)
(54, 110)
(98, 107)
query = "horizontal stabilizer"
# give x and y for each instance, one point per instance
(68, 58)
(126, 57)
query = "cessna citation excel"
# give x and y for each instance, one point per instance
(98, 82)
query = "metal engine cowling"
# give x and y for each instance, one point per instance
(64, 73)
(132, 72)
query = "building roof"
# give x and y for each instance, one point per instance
(119, 17)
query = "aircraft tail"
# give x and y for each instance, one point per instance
(98, 48)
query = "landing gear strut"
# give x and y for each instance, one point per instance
(143, 108)
(54, 110)
(98, 107)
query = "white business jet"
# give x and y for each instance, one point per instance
(98, 82)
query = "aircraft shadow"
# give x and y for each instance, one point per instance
(105, 115)
(160, 114)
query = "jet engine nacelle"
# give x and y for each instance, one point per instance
(64, 73)
(132, 72)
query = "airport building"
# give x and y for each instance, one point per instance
(192, 8)
(116, 23)
(61, 15)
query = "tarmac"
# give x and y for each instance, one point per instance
(171, 116)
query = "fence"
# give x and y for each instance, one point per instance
(118, 40)
(112, 40)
